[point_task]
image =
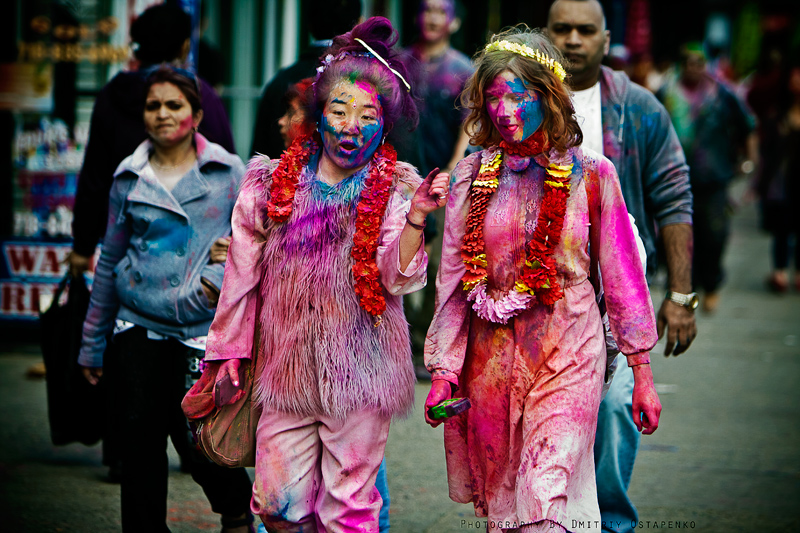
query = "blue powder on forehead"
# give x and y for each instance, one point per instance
(517, 85)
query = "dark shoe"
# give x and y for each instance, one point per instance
(710, 302)
(232, 523)
(114, 473)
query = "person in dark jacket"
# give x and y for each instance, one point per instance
(161, 34)
(326, 20)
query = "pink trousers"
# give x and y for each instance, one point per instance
(317, 474)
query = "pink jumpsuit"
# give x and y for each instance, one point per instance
(328, 380)
(523, 452)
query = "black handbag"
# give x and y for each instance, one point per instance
(76, 408)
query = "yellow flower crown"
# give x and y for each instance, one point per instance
(536, 55)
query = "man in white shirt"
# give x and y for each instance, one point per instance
(628, 125)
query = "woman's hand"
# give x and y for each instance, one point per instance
(440, 391)
(219, 250)
(646, 405)
(92, 374)
(78, 264)
(231, 368)
(430, 196)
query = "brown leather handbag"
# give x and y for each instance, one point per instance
(227, 434)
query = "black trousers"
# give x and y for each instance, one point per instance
(711, 226)
(154, 375)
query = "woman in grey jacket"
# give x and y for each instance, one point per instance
(155, 287)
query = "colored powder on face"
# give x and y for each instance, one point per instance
(365, 136)
(529, 113)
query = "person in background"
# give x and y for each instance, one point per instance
(778, 180)
(341, 220)
(326, 19)
(155, 287)
(441, 76)
(627, 124)
(440, 72)
(714, 127)
(517, 329)
(295, 122)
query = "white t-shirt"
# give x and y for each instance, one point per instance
(588, 112)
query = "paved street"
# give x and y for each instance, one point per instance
(726, 457)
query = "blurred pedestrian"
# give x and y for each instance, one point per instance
(440, 73)
(326, 19)
(155, 288)
(517, 329)
(295, 122)
(628, 125)
(341, 220)
(714, 127)
(778, 179)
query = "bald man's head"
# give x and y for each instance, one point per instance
(596, 5)
(578, 29)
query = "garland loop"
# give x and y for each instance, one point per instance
(538, 276)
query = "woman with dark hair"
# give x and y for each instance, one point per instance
(517, 329)
(325, 242)
(155, 287)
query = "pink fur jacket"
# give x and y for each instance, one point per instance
(319, 350)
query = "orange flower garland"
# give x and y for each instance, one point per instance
(286, 174)
(370, 211)
(371, 208)
(538, 277)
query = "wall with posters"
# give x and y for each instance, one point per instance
(29, 274)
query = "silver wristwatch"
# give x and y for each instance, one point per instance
(690, 301)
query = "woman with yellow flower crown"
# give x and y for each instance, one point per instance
(325, 242)
(517, 329)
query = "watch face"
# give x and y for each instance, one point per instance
(694, 301)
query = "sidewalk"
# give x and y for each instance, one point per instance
(726, 457)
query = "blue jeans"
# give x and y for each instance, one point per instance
(615, 447)
(383, 488)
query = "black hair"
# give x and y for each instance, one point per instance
(159, 32)
(329, 18)
(185, 81)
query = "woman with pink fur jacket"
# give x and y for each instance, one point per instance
(325, 242)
